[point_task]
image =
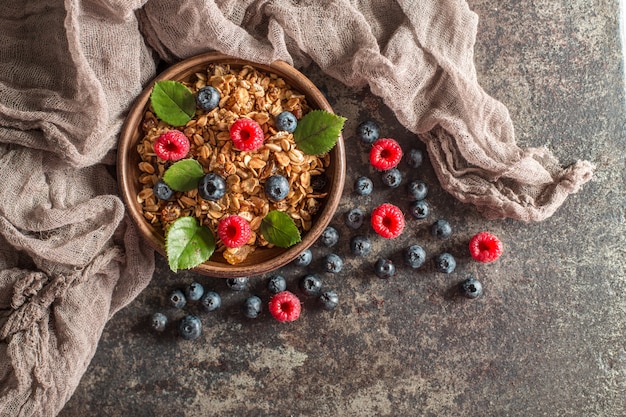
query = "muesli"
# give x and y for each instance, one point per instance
(244, 93)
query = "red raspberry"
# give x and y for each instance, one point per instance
(285, 306)
(385, 154)
(388, 221)
(485, 247)
(246, 134)
(234, 231)
(171, 145)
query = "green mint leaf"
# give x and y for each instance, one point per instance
(188, 244)
(280, 229)
(183, 175)
(173, 102)
(318, 131)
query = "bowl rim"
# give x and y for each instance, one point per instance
(181, 70)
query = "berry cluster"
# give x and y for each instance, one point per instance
(283, 304)
(189, 326)
(388, 220)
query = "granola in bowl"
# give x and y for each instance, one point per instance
(259, 94)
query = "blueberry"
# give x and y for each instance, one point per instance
(177, 299)
(329, 300)
(194, 291)
(445, 263)
(305, 258)
(392, 177)
(162, 191)
(414, 158)
(211, 187)
(329, 237)
(420, 209)
(190, 327)
(208, 98)
(276, 284)
(360, 245)
(415, 256)
(363, 186)
(441, 229)
(158, 321)
(276, 187)
(384, 268)
(367, 132)
(237, 284)
(211, 301)
(311, 284)
(286, 121)
(318, 182)
(417, 190)
(472, 288)
(354, 218)
(333, 263)
(252, 307)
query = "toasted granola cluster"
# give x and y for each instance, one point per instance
(245, 93)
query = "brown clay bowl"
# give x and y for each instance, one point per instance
(263, 260)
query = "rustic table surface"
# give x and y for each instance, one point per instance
(547, 337)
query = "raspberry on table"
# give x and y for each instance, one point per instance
(234, 231)
(246, 134)
(388, 221)
(485, 247)
(285, 306)
(385, 154)
(171, 145)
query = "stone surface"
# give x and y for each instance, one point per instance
(546, 338)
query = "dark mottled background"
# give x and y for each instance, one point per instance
(546, 339)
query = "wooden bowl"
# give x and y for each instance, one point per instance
(262, 260)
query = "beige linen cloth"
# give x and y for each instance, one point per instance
(69, 69)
